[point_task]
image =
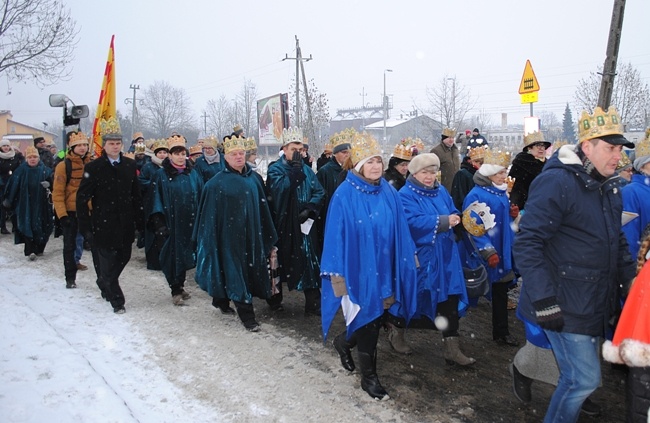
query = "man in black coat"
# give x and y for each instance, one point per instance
(111, 186)
(44, 153)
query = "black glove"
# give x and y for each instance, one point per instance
(549, 315)
(65, 222)
(296, 159)
(162, 231)
(303, 216)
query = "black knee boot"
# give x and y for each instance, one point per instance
(343, 347)
(247, 316)
(369, 380)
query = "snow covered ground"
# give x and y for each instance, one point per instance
(66, 357)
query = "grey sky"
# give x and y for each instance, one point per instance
(210, 47)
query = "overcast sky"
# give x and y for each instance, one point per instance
(210, 47)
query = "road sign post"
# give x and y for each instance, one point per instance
(528, 87)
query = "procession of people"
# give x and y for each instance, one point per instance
(388, 245)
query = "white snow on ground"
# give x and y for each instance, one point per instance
(66, 357)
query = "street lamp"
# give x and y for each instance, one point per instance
(385, 103)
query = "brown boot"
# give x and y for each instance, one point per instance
(453, 355)
(397, 340)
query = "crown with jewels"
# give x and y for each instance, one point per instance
(210, 141)
(291, 135)
(77, 138)
(600, 124)
(176, 140)
(408, 148)
(249, 144)
(643, 147)
(109, 129)
(499, 158)
(234, 143)
(624, 162)
(449, 132)
(363, 146)
(533, 137)
(139, 148)
(344, 137)
(477, 152)
(196, 149)
(158, 144)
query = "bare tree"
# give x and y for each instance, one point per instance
(550, 125)
(37, 40)
(168, 109)
(631, 96)
(220, 117)
(246, 107)
(482, 120)
(316, 127)
(449, 101)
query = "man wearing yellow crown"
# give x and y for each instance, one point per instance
(449, 156)
(110, 185)
(574, 257)
(234, 235)
(296, 196)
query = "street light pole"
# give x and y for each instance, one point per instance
(385, 103)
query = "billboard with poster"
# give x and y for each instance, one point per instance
(272, 117)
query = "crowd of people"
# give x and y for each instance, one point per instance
(387, 245)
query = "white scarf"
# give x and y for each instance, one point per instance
(8, 155)
(212, 159)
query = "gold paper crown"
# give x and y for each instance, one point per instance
(110, 128)
(477, 152)
(196, 149)
(149, 143)
(137, 135)
(158, 144)
(344, 137)
(210, 141)
(237, 128)
(78, 138)
(249, 144)
(624, 162)
(291, 135)
(31, 151)
(363, 146)
(234, 143)
(139, 148)
(533, 137)
(449, 132)
(559, 144)
(305, 140)
(499, 158)
(176, 141)
(600, 124)
(484, 214)
(328, 147)
(642, 148)
(408, 148)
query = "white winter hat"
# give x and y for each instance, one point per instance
(487, 169)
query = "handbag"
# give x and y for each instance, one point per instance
(476, 279)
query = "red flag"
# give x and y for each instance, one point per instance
(106, 107)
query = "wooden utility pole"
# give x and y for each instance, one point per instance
(299, 59)
(613, 42)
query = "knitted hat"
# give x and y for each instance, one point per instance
(5, 141)
(422, 161)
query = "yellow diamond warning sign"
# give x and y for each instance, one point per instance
(529, 82)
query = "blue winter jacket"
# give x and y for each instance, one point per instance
(570, 245)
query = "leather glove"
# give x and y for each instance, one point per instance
(162, 231)
(549, 315)
(303, 216)
(338, 286)
(65, 222)
(514, 211)
(493, 260)
(296, 160)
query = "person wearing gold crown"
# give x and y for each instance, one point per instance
(463, 181)
(397, 169)
(10, 159)
(160, 149)
(526, 166)
(67, 177)
(495, 245)
(636, 196)
(325, 156)
(449, 155)
(625, 169)
(296, 196)
(234, 267)
(368, 265)
(110, 187)
(574, 257)
(175, 190)
(211, 162)
(26, 194)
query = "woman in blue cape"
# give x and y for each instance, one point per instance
(27, 194)
(176, 192)
(431, 215)
(368, 262)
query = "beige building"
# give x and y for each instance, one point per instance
(19, 134)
